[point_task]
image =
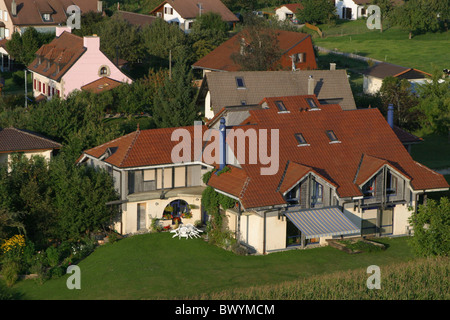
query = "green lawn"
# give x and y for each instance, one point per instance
(392, 45)
(434, 151)
(156, 266)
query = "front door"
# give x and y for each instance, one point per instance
(141, 209)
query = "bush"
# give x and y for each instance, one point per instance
(19, 78)
(10, 271)
(52, 256)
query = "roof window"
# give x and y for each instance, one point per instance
(240, 83)
(280, 105)
(312, 103)
(332, 136)
(301, 139)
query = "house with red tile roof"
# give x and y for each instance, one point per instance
(150, 184)
(43, 15)
(70, 63)
(296, 48)
(301, 172)
(13, 140)
(183, 13)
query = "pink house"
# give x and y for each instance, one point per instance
(70, 62)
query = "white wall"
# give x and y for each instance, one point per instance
(348, 4)
(281, 13)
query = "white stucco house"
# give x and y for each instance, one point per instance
(351, 9)
(374, 76)
(288, 11)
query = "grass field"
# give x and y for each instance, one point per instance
(392, 45)
(155, 266)
(434, 151)
(421, 279)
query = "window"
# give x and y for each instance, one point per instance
(280, 105)
(391, 184)
(240, 83)
(293, 196)
(317, 194)
(312, 104)
(369, 188)
(46, 17)
(103, 71)
(243, 103)
(300, 139)
(332, 136)
(299, 57)
(168, 10)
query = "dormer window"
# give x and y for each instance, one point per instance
(46, 17)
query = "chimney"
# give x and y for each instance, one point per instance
(223, 144)
(332, 66)
(60, 30)
(99, 6)
(390, 115)
(91, 43)
(311, 85)
(14, 8)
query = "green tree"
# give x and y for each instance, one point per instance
(160, 39)
(434, 104)
(174, 103)
(398, 92)
(118, 36)
(23, 47)
(208, 32)
(431, 225)
(81, 197)
(317, 11)
(259, 49)
(416, 16)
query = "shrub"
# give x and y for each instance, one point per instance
(53, 256)
(10, 271)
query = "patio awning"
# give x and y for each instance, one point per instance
(315, 223)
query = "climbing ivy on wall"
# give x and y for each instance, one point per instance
(212, 202)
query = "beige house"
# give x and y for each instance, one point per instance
(330, 181)
(30, 144)
(374, 76)
(150, 185)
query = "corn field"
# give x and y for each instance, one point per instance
(420, 279)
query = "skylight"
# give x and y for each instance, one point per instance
(300, 139)
(240, 83)
(312, 103)
(280, 105)
(332, 136)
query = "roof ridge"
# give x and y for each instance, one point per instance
(111, 141)
(130, 147)
(35, 135)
